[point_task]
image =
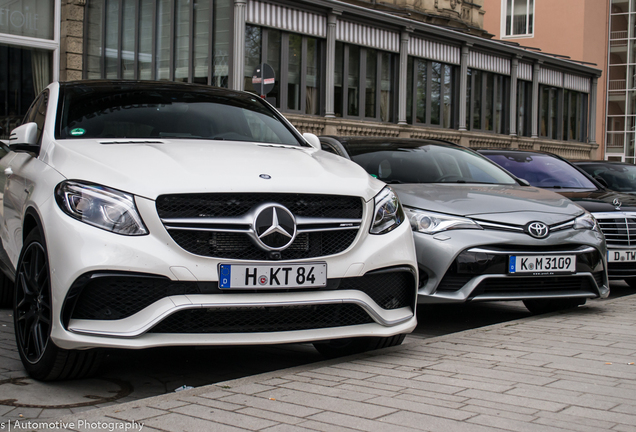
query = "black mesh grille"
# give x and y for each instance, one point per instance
(529, 284)
(390, 290)
(117, 297)
(263, 319)
(453, 282)
(232, 205)
(619, 231)
(621, 269)
(239, 245)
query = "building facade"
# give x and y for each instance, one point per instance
(384, 68)
(542, 24)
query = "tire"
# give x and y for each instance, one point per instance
(541, 306)
(32, 312)
(6, 291)
(631, 282)
(344, 347)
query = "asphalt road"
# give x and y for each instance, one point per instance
(129, 375)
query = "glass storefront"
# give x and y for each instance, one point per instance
(31, 18)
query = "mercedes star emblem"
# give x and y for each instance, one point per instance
(275, 227)
(538, 230)
(617, 203)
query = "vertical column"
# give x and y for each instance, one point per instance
(330, 63)
(514, 66)
(463, 86)
(592, 128)
(535, 99)
(404, 61)
(238, 46)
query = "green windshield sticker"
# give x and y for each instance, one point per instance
(78, 132)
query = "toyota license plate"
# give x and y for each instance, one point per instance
(542, 264)
(239, 276)
(627, 256)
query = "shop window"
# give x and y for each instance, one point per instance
(524, 108)
(488, 100)
(519, 17)
(296, 61)
(179, 40)
(24, 73)
(431, 93)
(364, 83)
(562, 114)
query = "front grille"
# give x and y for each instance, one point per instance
(239, 246)
(234, 205)
(619, 231)
(619, 270)
(218, 225)
(516, 284)
(453, 282)
(263, 319)
(116, 297)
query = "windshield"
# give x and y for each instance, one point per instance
(168, 112)
(620, 178)
(396, 163)
(542, 171)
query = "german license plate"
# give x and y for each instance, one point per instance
(615, 255)
(542, 264)
(240, 276)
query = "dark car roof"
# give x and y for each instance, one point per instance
(355, 140)
(599, 162)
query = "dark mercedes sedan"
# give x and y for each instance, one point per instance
(614, 211)
(618, 176)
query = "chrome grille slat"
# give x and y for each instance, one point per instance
(619, 231)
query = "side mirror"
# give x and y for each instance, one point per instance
(24, 138)
(313, 140)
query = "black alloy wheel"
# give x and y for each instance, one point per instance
(33, 303)
(33, 318)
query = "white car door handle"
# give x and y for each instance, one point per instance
(8, 171)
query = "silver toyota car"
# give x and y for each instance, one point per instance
(482, 234)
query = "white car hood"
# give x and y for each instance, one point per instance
(198, 166)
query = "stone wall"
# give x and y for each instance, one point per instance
(466, 15)
(347, 127)
(72, 40)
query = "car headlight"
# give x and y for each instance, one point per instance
(100, 206)
(388, 213)
(587, 221)
(432, 223)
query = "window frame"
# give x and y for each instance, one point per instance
(501, 85)
(362, 65)
(530, 19)
(413, 75)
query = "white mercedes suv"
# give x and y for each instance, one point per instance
(146, 214)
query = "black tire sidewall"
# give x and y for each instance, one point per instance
(43, 367)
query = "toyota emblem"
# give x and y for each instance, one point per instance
(275, 227)
(538, 230)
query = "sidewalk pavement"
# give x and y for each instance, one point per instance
(567, 371)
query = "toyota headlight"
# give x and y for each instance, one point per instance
(431, 223)
(587, 221)
(100, 206)
(388, 213)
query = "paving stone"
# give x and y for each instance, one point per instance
(357, 423)
(541, 393)
(324, 427)
(430, 423)
(224, 417)
(270, 415)
(568, 425)
(406, 405)
(512, 425)
(277, 406)
(212, 403)
(610, 416)
(136, 413)
(498, 413)
(328, 391)
(174, 422)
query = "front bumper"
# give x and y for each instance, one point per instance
(80, 254)
(472, 265)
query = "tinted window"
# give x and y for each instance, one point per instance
(542, 170)
(395, 163)
(618, 177)
(189, 113)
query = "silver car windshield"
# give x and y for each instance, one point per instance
(169, 113)
(427, 164)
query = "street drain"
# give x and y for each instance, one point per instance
(67, 394)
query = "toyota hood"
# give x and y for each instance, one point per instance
(515, 205)
(153, 168)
